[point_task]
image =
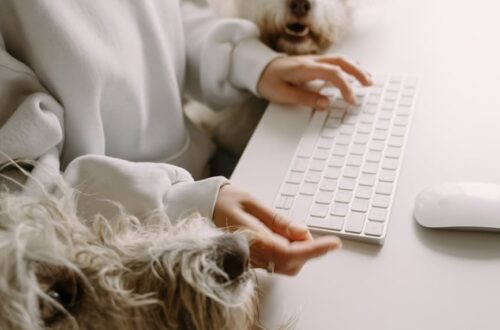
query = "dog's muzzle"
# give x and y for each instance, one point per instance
(299, 8)
(234, 255)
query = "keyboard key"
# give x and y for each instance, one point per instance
(336, 161)
(387, 176)
(377, 214)
(335, 222)
(344, 140)
(347, 184)
(310, 137)
(383, 124)
(319, 210)
(381, 201)
(403, 111)
(367, 118)
(364, 192)
(374, 229)
(350, 119)
(355, 222)
(321, 154)
(395, 141)
(295, 177)
(371, 168)
(351, 172)
(389, 105)
(300, 165)
(280, 202)
(360, 205)
(364, 128)
(386, 115)
(333, 122)
(398, 131)
(374, 156)
(325, 143)
(405, 102)
(288, 203)
(339, 209)
(301, 208)
(333, 172)
(308, 189)
(367, 180)
(384, 188)
(390, 164)
(290, 190)
(393, 152)
(329, 133)
(354, 160)
(328, 185)
(370, 108)
(339, 150)
(358, 150)
(324, 197)
(347, 130)
(343, 196)
(361, 138)
(313, 177)
(401, 121)
(380, 135)
(377, 145)
(317, 165)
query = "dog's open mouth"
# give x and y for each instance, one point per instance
(297, 30)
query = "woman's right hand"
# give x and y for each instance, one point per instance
(274, 239)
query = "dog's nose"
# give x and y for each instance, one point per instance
(300, 8)
(234, 255)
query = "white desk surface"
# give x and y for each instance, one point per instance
(420, 278)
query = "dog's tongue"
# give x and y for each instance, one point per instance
(297, 30)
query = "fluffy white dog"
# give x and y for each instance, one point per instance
(295, 27)
(60, 271)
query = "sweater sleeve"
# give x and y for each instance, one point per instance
(225, 59)
(32, 129)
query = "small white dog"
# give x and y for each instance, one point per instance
(295, 27)
(60, 271)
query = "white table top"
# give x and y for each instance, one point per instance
(420, 278)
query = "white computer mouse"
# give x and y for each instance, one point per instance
(460, 205)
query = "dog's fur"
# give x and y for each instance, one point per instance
(59, 271)
(317, 31)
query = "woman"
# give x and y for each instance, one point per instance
(94, 89)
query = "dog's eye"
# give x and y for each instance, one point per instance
(67, 295)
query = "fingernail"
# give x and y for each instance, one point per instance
(322, 103)
(298, 227)
(336, 242)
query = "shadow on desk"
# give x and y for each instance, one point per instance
(461, 244)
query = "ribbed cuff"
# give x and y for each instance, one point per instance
(198, 197)
(250, 58)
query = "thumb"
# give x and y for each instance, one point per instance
(298, 96)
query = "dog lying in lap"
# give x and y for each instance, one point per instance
(59, 271)
(294, 27)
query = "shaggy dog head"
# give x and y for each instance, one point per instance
(297, 27)
(59, 271)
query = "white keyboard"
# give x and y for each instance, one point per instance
(344, 174)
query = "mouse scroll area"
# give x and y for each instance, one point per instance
(462, 205)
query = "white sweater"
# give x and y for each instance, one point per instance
(93, 88)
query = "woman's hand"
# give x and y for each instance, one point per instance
(273, 238)
(284, 78)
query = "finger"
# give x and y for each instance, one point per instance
(298, 96)
(305, 250)
(278, 223)
(349, 67)
(327, 72)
